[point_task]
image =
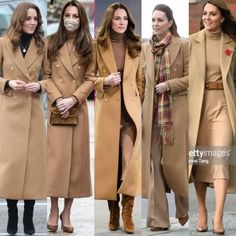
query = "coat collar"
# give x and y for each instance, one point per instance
(225, 60)
(108, 57)
(174, 48)
(24, 63)
(67, 60)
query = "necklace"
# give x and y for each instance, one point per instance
(24, 48)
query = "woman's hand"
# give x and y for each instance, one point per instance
(161, 88)
(32, 87)
(16, 84)
(113, 79)
(64, 104)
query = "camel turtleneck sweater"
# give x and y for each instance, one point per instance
(213, 71)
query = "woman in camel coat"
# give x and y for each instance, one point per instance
(119, 93)
(23, 137)
(212, 107)
(70, 69)
(166, 163)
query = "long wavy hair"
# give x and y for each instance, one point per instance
(169, 14)
(228, 26)
(16, 28)
(83, 40)
(133, 42)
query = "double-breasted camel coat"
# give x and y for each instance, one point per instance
(107, 125)
(175, 156)
(68, 147)
(197, 85)
(23, 136)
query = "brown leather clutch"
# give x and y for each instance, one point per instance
(56, 119)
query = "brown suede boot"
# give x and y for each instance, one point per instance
(127, 204)
(114, 223)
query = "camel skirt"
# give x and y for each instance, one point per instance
(214, 131)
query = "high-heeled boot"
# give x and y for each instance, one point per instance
(28, 217)
(114, 222)
(127, 209)
(12, 216)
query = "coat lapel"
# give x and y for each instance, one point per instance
(174, 48)
(108, 58)
(66, 60)
(200, 54)
(18, 59)
(150, 64)
(225, 59)
(128, 64)
(31, 55)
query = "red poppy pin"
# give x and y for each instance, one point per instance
(228, 51)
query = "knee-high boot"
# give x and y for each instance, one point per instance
(12, 216)
(28, 217)
(114, 222)
(127, 209)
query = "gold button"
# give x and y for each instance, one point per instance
(132, 83)
(78, 67)
(57, 65)
(105, 99)
(60, 80)
(104, 71)
(11, 68)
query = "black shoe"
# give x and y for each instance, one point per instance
(28, 217)
(12, 217)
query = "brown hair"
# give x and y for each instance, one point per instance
(83, 42)
(133, 41)
(228, 26)
(15, 30)
(169, 14)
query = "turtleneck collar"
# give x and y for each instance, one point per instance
(116, 37)
(213, 35)
(26, 37)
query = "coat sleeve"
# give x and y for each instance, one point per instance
(179, 84)
(140, 80)
(87, 86)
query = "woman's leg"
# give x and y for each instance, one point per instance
(220, 186)
(54, 215)
(65, 215)
(12, 216)
(202, 210)
(28, 217)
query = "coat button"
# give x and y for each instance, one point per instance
(34, 69)
(11, 68)
(174, 69)
(60, 80)
(132, 83)
(57, 65)
(105, 99)
(78, 67)
(73, 80)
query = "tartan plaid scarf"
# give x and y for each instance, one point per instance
(163, 102)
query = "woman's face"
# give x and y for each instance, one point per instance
(71, 18)
(160, 24)
(119, 21)
(212, 18)
(31, 22)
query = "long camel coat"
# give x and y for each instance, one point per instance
(23, 136)
(174, 156)
(197, 86)
(107, 125)
(68, 147)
